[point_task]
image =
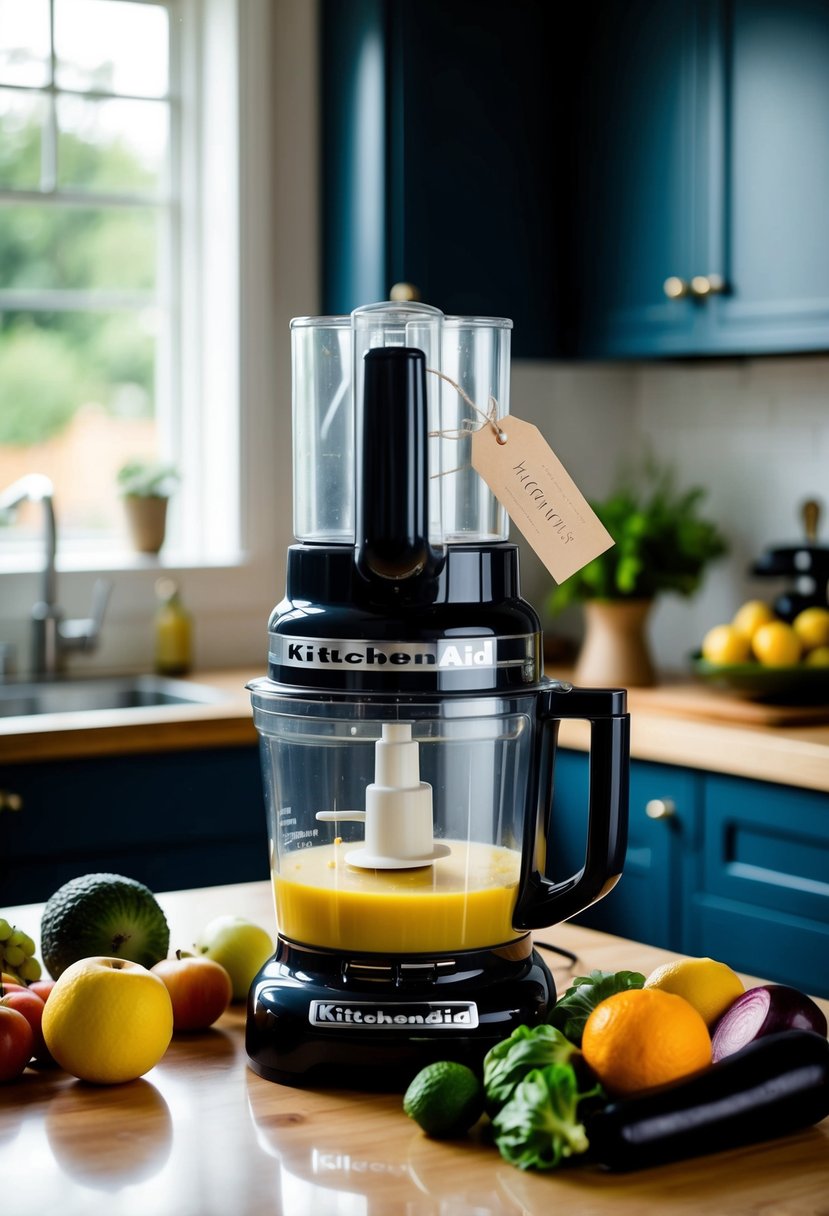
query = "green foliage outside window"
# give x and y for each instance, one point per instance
(52, 363)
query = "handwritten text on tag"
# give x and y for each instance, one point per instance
(539, 495)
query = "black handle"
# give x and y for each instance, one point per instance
(392, 504)
(540, 901)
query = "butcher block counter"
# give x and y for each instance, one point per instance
(677, 722)
(201, 1134)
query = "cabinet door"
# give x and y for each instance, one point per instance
(777, 183)
(644, 132)
(762, 900)
(646, 903)
(172, 820)
(439, 159)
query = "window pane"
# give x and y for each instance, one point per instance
(21, 130)
(112, 45)
(112, 146)
(57, 247)
(77, 402)
(24, 42)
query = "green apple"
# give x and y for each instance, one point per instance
(240, 946)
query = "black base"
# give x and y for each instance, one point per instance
(371, 1022)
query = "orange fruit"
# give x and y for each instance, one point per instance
(643, 1037)
(777, 645)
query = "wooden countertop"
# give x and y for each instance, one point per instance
(201, 1134)
(674, 723)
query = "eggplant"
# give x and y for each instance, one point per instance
(776, 1085)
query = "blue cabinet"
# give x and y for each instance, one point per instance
(172, 820)
(720, 866)
(439, 159)
(702, 161)
(650, 183)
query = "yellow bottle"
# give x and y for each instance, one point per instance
(173, 631)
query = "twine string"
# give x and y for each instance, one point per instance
(489, 418)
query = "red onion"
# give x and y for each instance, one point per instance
(761, 1011)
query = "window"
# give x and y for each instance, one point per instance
(228, 211)
(89, 258)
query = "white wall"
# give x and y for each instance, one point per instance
(754, 432)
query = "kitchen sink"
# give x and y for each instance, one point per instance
(125, 692)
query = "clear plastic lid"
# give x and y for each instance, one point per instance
(468, 372)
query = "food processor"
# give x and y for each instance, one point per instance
(407, 730)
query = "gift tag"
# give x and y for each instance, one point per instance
(539, 495)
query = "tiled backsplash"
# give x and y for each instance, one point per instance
(754, 432)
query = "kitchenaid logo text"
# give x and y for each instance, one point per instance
(342, 653)
(535, 492)
(364, 1015)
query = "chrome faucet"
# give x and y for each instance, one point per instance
(52, 636)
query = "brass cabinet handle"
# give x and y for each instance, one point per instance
(404, 292)
(703, 285)
(676, 288)
(660, 808)
(10, 801)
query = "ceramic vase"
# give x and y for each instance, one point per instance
(147, 519)
(615, 651)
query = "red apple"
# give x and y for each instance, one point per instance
(16, 1043)
(43, 988)
(31, 1006)
(199, 989)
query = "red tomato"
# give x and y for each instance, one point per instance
(200, 990)
(16, 1043)
(31, 1006)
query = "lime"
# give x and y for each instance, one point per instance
(445, 1099)
(102, 914)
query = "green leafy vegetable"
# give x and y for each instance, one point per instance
(585, 993)
(508, 1062)
(540, 1124)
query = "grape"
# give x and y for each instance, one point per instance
(17, 950)
(30, 970)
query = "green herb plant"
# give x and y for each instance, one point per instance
(147, 479)
(661, 543)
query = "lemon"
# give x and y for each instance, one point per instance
(711, 987)
(445, 1099)
(776, 645)
(819, 657)
(812, 627)
(725, 644)
(750, 616)
(108, 1020)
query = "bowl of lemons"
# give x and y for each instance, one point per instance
(758, 655)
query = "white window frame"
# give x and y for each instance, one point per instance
(255, 171)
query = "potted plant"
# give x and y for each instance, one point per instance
(662, 545)
(146, 486)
